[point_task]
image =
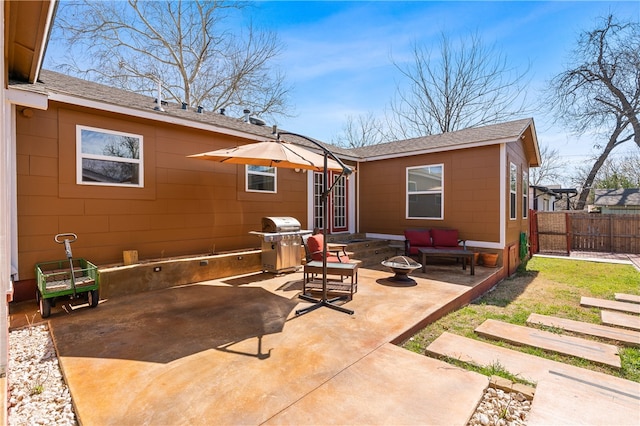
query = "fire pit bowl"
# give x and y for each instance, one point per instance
(402, 266)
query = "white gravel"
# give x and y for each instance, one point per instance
(37, 393)
(500, 408)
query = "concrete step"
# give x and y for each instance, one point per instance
(369, 251)
(622, 297)
(625, 337)
(342, 238)
(601, 353)
(565, 394)
(610, 304)
(376, 259)
(619, 319)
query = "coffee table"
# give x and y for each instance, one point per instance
(434, 252)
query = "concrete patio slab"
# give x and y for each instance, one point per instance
(614, 305)
(591, 350)
(619, 319)
(440, 394)
(232, 351)
(616, 334)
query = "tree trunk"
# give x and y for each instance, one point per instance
(613, 142)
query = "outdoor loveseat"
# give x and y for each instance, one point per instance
(444, 239)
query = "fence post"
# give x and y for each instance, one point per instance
(533, 232)
(568, 230)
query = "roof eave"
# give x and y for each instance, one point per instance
(151, 115)
(440, 149)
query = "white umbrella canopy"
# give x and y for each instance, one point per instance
(271, 154)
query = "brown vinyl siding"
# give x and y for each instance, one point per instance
(187, 206)
(471, 193)
(516, 155)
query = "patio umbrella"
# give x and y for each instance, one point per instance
(271, 154)
(283, 154)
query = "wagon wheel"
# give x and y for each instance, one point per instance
(92, 297)
(45, 306)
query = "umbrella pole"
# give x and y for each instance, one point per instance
(324, 301)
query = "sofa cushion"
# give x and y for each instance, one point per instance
(418, 237)
(445, 238)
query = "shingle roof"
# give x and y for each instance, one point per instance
(63, 84)
(59, 85)
(511, 130)
(51, 82)
(617, 197)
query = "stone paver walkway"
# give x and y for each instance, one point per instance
(614, 305)
(601, 353)
(616, 334)
(565, 395)
(619, 319)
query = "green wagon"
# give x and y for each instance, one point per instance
(72, 278)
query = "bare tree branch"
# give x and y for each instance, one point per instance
(361, 130)
(190, 46)
(551, 168)
(600, 91)
(457, 88)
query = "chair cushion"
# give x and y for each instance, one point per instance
(418, 237)
(444, 238)
(315, 244)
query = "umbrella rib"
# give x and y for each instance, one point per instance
(298, 155)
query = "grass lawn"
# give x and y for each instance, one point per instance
(550, 287)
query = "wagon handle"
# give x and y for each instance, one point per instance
(60, 238)
(67, 248)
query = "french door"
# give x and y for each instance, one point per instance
(338, 218)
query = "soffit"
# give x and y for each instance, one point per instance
(26, 29)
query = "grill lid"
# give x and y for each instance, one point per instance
(280, 224)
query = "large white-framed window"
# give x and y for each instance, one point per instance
(109, 158)
(513, 190)
(425, 192)
(525, 194)
(261, 179)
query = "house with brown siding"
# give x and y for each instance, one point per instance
(152, 197)
(479, 186)
(112, 166)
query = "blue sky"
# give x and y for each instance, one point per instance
(338, 55)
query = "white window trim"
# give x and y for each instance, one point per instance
(513, 170)
(441, 192)
(80, 155)
(525, 194)
(253, 172)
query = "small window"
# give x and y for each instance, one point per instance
(525, 194)
(513, 184)
(109, 158)
(425, 192)
(261, 179)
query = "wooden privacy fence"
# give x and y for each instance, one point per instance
(563, 232)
